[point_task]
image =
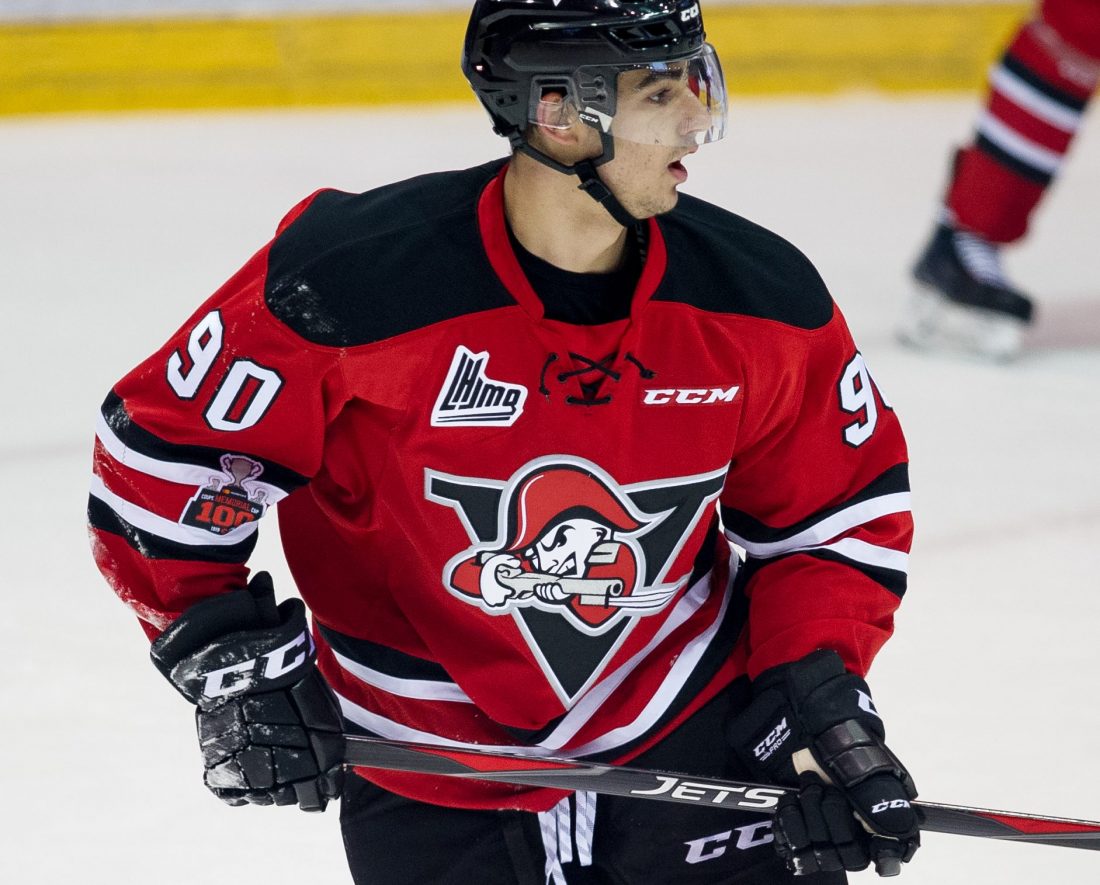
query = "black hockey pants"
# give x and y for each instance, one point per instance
(585, 839)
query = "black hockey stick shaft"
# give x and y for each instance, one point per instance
(642, 783)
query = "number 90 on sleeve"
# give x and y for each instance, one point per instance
(856, 392)
(245, 391)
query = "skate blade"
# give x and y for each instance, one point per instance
(934, 323)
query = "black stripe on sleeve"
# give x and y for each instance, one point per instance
(140, 440)
(889, 579)
(892, 481)
(150, 546)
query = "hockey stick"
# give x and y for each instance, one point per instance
(621, 780)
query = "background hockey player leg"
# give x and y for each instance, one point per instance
(1038, 93)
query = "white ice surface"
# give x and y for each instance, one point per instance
(114, 229)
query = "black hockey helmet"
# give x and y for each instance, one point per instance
(517, 51)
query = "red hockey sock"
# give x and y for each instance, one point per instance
(1038, 93)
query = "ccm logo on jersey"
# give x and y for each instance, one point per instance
(469, 398)
(689, 396)
(235, 678)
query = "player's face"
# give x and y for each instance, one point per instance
(660, 119)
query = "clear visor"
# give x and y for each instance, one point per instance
(672, 104)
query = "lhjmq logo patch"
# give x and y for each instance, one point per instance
(469, 398)
(573, 556)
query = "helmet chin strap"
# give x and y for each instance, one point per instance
(585, 170)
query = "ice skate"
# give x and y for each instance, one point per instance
(963, 302)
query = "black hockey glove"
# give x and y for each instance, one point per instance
(269, 727)
(812, 724)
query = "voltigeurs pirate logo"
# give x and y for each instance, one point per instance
(573, 556)
(571, 549)
(229, 500)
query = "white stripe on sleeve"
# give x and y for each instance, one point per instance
(824, 531)
(184, 474)
(868, 554)
(157, 525)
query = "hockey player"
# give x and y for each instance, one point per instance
(516, 419)
(1038, 93)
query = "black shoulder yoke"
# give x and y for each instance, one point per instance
(720, 262)
(353, 269)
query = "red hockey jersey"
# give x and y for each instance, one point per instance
(514, 531)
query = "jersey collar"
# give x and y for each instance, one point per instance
(494, 237)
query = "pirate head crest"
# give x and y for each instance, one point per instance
(566, 545)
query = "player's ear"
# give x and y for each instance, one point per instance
(557, 119)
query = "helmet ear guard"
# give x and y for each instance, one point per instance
(591, 92)
(552, 114)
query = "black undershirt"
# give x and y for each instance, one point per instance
(584, 299)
